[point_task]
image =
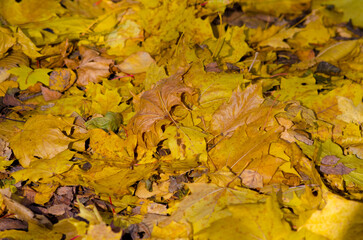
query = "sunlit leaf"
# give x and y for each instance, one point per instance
(41, 137)
(28, 77)
(241, 109)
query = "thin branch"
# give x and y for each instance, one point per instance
(15, 120)
(253, 62)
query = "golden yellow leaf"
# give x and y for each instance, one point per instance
(350, 113)
(275, 7)
(136, 63)
(122, 37)
(44, 192)
(4, 86)
(208, 204)
(249, 221)
(102, 232)
(29, 11)
(277, 40)
(173, 230)
(337, 51)
(339, 219)
(117, 184)
(46, 168)
(314, 33)
(41, 137)
(111, 146)
(187, 146)
(104, 100)
(7, 41)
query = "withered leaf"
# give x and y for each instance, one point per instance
(329, 160)
(339, 169)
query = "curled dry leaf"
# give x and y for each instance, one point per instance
(15, 58)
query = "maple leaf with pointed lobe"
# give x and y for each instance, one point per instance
(155, 104)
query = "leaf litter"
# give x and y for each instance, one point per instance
(181, 120)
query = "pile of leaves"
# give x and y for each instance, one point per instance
(188, 119)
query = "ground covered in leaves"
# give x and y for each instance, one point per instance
(188, 119)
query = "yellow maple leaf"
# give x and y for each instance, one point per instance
(249, 221)
(350, 113)
(193, 208)
(45, 168)
(104, 100)
(41, 137)
(187, 146)
(111, 146)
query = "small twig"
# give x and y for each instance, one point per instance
(113, 209)
(278, 74)
(127, 75)
(12, 119)
(253, 62)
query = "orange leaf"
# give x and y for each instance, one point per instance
(154, 105)
(241, 109)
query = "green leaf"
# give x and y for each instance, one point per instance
(328, 148)
(28, 77)
(110, 122)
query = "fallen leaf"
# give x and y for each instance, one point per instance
(241, 109)
(28, 77)
(49, 94)
(350, 113)
(92, 67)
(155, 104)
(41, 137)
(338, 219)
(136, 63)
(192, 208)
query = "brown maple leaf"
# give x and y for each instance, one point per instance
(242, 108)
(92, 68)
(155, 105)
